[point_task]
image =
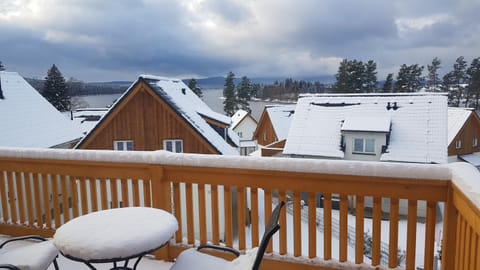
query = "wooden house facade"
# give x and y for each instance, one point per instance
(155, 116)
(274, 124)
(464, 132)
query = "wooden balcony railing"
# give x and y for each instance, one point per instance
(224, 200)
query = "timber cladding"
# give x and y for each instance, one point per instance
(469, 131)
(143, 117)
(265, 133)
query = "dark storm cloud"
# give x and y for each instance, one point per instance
(103, 40)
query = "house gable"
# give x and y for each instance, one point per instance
(142, 116)
(464, 138)
(264, 133)
(245, 128)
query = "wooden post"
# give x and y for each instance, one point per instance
(449, 232)
(161, 200)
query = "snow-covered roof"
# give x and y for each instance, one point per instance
(456, 119)
(473, 159)
(87, 118)
(188, 99)
(281, 117)
(418, 125)
(29, 120)
(367, 123)
(192, 109)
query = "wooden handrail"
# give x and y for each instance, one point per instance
(222, 199)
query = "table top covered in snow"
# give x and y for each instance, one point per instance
(115, 234)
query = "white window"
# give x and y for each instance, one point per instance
(475, 142)
(240, 134)
(175, 146)
(123, 145)
(361, 145)
(458, 144)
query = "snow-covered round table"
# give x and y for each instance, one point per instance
(115, 235)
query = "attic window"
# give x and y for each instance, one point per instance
(183, 91)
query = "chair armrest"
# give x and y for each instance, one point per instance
(227, 249)
(9, 266)
(35, 237)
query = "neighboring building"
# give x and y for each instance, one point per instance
(160, 113)
(274, 124)
(376, 127)
(29, 120)
(244, 125)
(463, 136)
(408, 127)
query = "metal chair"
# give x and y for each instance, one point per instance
(36, 256)
(193, 259)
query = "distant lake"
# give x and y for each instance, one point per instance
(212, 97)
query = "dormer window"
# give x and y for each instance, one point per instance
(364, 146)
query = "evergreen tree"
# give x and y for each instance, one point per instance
(473, 73)
(342, 85)
(409, 78)
(460, 79)
(388, 85)
(433, 79)
(448, 86)
(2, 67)
(55, 90)
(192, 84)
(401, 84)
(357, 76)
(243, 93)
(229, 104)
(350, 77)
(370, 78)
(255, 90)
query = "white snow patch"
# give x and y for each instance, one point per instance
(115, 233)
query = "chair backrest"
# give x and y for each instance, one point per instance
(271, 228)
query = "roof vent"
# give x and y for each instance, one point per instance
(392, 106)
(183, 91)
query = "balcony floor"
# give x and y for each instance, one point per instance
(146, 263)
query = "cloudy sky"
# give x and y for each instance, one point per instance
(102, 40)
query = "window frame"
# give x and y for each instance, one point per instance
(364, 146)
(475, 142)
(174, 145)
(458, 144)
(125, 145)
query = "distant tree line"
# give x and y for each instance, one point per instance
(290, 89)
(462, 83)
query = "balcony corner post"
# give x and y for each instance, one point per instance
(449, 231)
